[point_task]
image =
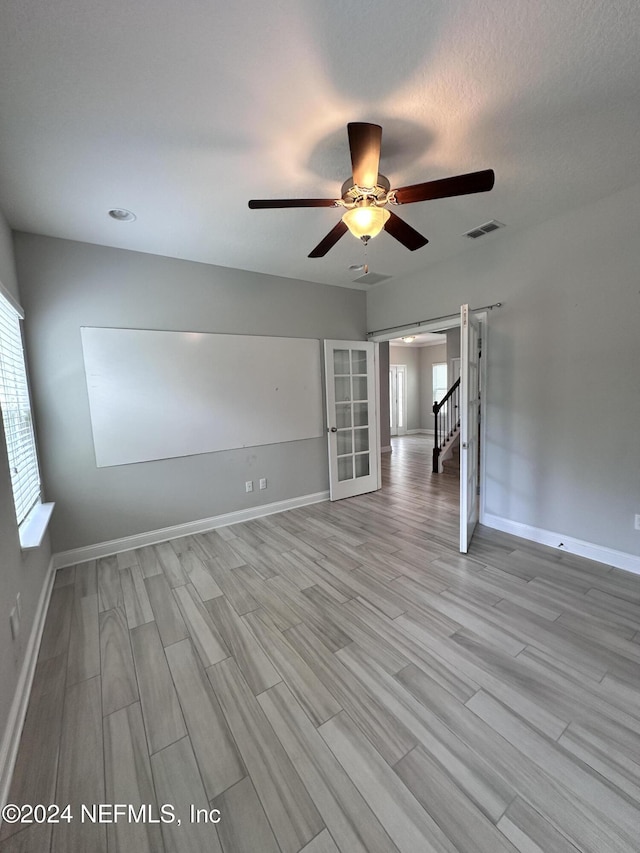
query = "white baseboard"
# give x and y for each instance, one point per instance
(419, 432)
(387, 449)
(608, 556)
(153, 537)
(11, 737)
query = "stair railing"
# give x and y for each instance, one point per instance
(447, 421)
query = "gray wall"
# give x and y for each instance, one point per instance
(563, 390)
(66, 285)
(20, 572)
(7, 262)
(428, 357)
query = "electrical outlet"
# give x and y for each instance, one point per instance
(637, 523)
(248, 486)
(14, 621)
(263, 483)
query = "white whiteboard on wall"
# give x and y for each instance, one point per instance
(156, 394)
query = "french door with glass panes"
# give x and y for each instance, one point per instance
(469, 425)
(352, 418)
(398, 399)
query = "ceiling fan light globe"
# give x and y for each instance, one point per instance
(366, 221)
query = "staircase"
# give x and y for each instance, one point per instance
(447, 430)
(451, 462)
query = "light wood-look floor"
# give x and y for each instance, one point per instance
(339, 678)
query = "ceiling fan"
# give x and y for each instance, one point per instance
(366, 195)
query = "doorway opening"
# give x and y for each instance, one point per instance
(473, 371)
(416, 354)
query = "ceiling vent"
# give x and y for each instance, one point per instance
(371, 278)
(481, 230)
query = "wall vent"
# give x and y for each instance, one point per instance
(481, 230)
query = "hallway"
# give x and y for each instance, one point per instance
(432, 500)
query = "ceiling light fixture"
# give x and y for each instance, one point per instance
(366, 219)
(409, 339)
(122, 215)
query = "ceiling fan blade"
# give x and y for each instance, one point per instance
(474, 182)
(364, 144)
(405, 234)
(264, 203)
(329, 241)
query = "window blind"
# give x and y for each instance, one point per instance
(16, 413)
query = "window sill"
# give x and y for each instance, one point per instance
(34, 527)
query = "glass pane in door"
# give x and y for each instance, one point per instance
(361, 439)
(362, 465)
(345, 468)
(341, 365)
(343, 415)
(358, 361)
(360, 414)
(345, 444)
(343, 388)
(359, 387)
(400, 414)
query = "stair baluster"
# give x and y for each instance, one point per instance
(447, 421)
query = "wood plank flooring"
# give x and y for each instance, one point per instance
(339, 679)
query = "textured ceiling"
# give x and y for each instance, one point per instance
(182, 111)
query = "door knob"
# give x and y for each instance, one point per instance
(334, 429)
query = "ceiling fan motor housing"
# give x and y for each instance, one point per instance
(352, 194)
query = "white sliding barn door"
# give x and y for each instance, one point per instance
(352, 417)
(469, 424)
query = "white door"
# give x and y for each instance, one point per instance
(469, 424)
(352, 417)
(398, 399)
